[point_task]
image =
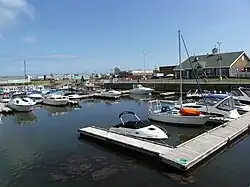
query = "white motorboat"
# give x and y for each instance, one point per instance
(169, 114)
(140, 90)
(10, 89)
(56, 100)
(21, 104)
(242, 94)
(108, 94)
(5, 98)
(138, 128)
(224, 108)
(194, 93)
(38, 98)
(241, 107)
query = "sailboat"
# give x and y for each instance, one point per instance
(168, 114)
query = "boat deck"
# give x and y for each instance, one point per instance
(185, 155)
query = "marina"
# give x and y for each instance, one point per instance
(114, 94)
(181, 142)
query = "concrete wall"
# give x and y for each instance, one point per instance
(171, 87)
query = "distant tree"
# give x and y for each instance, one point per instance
(117, 70)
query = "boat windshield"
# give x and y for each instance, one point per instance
(237, 103)
(138, 86)
(25, 100)
(208, 101)
(246, 91)
(227, 104)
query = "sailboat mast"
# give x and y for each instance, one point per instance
(180, 66)
(25, 73)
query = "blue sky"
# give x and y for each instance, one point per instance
(59, 36)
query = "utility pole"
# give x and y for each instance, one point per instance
(144, 62)
(219, 43)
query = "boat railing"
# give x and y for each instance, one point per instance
(154, 106)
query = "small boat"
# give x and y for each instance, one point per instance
(224, 108)
(21, 104)
(56, 100)
(140, 90)
(108, 94)
(73, 96)
(171, 115)
(5, 98)
(138, 128)
(194, 93)
(215, 98)
(36, 97)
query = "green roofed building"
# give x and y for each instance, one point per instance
(232, 64)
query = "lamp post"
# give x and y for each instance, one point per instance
(219, 43)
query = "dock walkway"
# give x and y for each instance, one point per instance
(185, 155)
(4, 109)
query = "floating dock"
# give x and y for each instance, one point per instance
(86, 96)
(185, 155)
(97, 95)
(168, 94)
(4, 109)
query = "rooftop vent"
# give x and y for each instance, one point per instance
(196, 58)
(215, 51)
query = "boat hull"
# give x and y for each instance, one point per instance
(178, 119)
(21, 108)
(55, 102)
(157, 133)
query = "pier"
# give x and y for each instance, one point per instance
(185, 155)
(4, 109)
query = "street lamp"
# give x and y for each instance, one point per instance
(219, 43)
(144, 62)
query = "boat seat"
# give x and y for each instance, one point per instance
(165, 109)
(132, 125)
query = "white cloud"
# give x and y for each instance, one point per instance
(11, 10)
(29, 38)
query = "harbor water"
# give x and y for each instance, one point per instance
(43, 148)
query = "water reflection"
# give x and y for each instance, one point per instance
(25, 118)
(141, 97)
(57, 111)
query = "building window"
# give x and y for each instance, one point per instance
(243, 57)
